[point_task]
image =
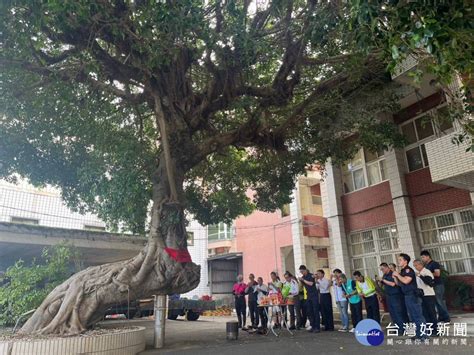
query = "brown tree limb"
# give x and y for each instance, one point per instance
(68, 75)
(170, 169)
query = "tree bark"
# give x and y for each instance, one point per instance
(81, 301)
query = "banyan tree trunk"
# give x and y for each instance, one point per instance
(81, 301)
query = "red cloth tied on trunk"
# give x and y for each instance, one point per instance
(181, 256)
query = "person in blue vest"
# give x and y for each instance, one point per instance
(394, 297)
(355, 302)
(312, 302)
(406, 279)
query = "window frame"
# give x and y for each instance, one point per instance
(319, 198)
(437, 132)
(92, 228)
(377, 252)
(190, 238)
(25, 221)
(285, 210)
(364, 166)
(462, 241)
(224, 232)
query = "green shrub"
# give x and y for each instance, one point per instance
(25, 287)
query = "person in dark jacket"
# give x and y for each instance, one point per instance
(251, 291)
(312, 303)
(435, 268)
(406, 279)
(394, 297)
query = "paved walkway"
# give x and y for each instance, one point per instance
(207, 336)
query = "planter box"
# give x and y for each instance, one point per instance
(126, 342)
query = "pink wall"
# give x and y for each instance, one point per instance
(257, 245)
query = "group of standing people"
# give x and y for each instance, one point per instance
(412, 295)
(306, 298)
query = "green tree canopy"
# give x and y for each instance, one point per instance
(190, 104)
(250, 95)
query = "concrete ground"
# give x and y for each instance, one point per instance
(208, 335)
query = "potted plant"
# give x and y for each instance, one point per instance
(463, 297)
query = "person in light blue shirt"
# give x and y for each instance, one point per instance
(338, 279)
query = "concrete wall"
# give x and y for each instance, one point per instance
(368, 207)
(198, 253)
(43, 205)
(450, 163)
(255, 239)
(126, 342)
(427, 197)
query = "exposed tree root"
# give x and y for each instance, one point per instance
(80, 301)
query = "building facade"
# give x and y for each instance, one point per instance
(405, 200)
(378, 205)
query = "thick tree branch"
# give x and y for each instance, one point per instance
(68, 75)
(170, 168)
(298, 113)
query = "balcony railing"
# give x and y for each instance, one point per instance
(408, 63)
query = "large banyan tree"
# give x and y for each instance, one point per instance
(143, 111)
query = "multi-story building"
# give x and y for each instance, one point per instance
(375, 206)
(405, 200)
(25, 204)
(264, 242)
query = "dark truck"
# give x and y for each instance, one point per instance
(177, 306)
(191, 309)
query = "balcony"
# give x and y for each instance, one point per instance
(451, 164)
(404, 67)
(315, 226)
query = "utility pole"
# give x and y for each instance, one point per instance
(160, 319)
(275, 248)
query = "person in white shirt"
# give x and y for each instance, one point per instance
(425, 281)
(294, 301)
(325, 300)
(262, 291)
